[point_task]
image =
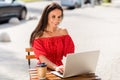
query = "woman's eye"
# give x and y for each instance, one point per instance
(53, 16)
(59, 16)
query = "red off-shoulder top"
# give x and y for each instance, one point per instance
(53, 48)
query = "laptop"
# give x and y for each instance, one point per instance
(79, 63)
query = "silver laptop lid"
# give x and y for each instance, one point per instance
(79, 63)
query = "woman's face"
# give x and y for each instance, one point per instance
(54, 18)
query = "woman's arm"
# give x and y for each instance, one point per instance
(50, 64)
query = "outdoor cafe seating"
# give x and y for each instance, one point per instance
(32, 72)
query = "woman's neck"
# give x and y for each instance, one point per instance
(51, 29)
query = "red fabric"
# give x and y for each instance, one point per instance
(54, 48)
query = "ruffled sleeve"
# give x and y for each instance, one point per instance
(38, 48)
(69, 46)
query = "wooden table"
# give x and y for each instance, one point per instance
(49, 76)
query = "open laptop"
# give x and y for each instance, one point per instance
(79, 63)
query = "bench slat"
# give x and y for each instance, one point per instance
(30, 57)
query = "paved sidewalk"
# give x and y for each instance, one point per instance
(13, 65)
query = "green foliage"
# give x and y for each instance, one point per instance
(105, 1)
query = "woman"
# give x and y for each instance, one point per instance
(49, 42)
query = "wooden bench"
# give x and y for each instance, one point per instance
(29, 56)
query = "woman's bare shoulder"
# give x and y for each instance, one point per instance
(37, 37)
(63, 31)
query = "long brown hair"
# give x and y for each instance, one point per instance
(38, 32)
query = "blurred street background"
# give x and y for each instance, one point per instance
(91, 28)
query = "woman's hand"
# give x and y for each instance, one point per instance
(60, 69)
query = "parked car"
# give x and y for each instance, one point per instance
(71, 3)
(12, 8)
(79, 3)
(96, 2)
